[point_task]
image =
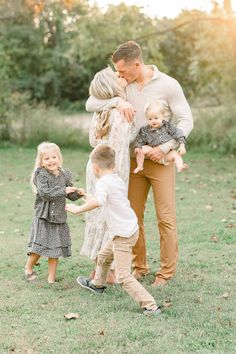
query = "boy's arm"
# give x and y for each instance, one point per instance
(90, 204)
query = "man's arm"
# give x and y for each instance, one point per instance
(180, 108)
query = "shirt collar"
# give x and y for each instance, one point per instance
(156, 72)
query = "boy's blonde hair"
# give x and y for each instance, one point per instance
(41, 150)
(103, 156)
(105, 85)
(158, 107)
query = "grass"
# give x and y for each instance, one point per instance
(202, 316)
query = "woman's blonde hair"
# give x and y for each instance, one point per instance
(41, 150)
(105, 85)
(158, 107)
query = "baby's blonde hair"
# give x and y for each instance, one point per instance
(157, 107)
(103, 156)
(41, 150)
(105, 85)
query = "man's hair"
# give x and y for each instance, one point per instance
(103, 156)
(128, 51)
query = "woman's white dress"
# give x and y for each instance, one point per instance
(119, 137)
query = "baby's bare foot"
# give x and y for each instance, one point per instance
(137, 169)
(183, 168)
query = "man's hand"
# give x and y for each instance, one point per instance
(126, 110)
(156, 154)
(72, 208)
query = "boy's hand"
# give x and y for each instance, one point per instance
(81, 192)
(72, 208)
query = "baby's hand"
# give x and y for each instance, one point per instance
(72, 208)
(182, 150)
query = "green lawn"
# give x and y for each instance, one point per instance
(202, 318)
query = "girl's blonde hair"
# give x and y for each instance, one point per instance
(41, 149)
(158, 107)
(105, 85)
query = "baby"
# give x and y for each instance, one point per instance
(157, 132)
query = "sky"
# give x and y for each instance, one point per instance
(163, 8)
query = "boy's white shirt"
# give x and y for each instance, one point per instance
(111, 194)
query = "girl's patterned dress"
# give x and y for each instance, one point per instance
(49, 235)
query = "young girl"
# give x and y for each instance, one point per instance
(50, 235)
(107, 127)
(157, 132)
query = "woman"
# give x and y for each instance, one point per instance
(107, 127)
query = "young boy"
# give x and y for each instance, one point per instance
(123, 230)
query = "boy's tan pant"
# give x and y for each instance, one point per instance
(120, 249)
(162, 180)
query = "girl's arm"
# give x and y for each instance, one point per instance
(90, 204)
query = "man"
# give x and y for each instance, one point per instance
(147, 84)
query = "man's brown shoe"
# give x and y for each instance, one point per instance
(138, 275)
(159, 282)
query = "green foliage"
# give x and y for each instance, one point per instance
(215, 129)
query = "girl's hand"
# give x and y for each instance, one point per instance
(70, 190)
(72, 208)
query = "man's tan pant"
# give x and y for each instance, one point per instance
(120, 249)
(162, 180)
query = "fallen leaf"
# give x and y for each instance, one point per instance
(71, 316)
(224, 296)
(230, 226)
(167, 303)
(101, 333)
(209, 207)
(198, 300)
(214, 239)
